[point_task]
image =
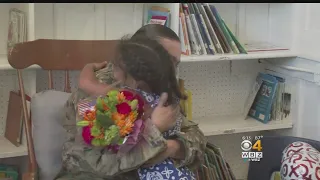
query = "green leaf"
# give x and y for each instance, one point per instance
(111, 134)
(83, 123)
(95, 131)
(134, 104)
(103, 142)
(99, 105)
(121, 140)
(113, 93)
(104, 120)
(96, 142)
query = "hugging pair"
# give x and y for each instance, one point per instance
(170, 145)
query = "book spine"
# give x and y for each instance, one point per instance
(192, 38)
(197, 34)
(207, 34)
(217, 47)
(185, 33)
(203, 29)
(203, 34)
(181, 36)
(225, 32)
(239, 45)
(222, 39)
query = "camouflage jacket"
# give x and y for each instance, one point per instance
(83, 162)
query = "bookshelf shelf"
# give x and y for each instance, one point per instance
(232, 57)
(219, 125)
(7, 149)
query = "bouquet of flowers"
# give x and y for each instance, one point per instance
(113, 121)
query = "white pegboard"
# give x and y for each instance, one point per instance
(219, 88)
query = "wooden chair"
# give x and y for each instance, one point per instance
(54, 55)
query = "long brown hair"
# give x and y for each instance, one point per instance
(155, 31)
(149, 63)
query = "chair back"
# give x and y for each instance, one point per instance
(55, 55)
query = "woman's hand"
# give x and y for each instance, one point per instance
(164, 117)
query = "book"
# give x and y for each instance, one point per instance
(251, 96)
(216, 44)
(197, 34)
(159, 8)
(261, 107)
(181, 37)
(225, 32)
(196, 29)
(262, 46)
(217, 29)
(194, 44)
(14, 122)
(220, 161)
(158, 20)
(242, 50)
(206, 36)
(152, 13)
(286, 104)
(276, 112)
(185, 33)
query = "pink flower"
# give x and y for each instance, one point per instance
(86, 135)
(123, 108)
(129, 95)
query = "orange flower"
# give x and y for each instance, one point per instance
(132, 116)
(117, 116)
(101, 136)
(105, 107)
(120, 123)
(90, 115)
(126, 129)
(120, 97)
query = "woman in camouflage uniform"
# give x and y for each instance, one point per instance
(188, 146)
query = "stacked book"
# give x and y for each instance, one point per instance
(202, 31)
(158, 15)
(268, 99)
(214, 167)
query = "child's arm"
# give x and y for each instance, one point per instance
(96, 78)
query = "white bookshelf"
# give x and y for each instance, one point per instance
(7, 149)
(233, 57)
(220, 125)
(219, 83)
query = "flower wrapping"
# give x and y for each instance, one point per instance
(112, 121)
(85, 105)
